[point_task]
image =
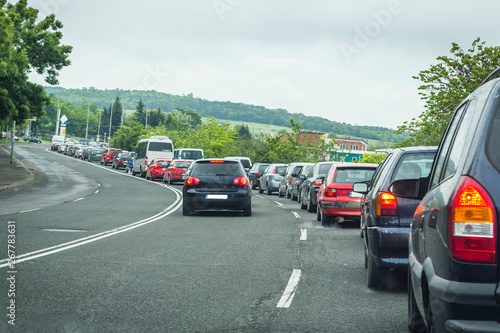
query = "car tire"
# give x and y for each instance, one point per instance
(132, 171)
(318, 214)
(252, 185)
(261, 190)
(186, 210)
(288, 194)
(374, 274)
(170, 180)
(301, 202)
(269, 192)
(326, 220)
(102, 162)
(248, 211)
(415, 320)
(113, 166)
(310, 206)
(279, 193)
(141, 173)
(163, 179)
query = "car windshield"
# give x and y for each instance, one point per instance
(182, 164)
(352, 175)
(280, 169)
(212, 169)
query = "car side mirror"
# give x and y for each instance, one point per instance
(409, 188)
(302, 177)
(360, 188)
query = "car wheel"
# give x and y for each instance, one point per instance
(301, 201)
(310, 206)
(318, 213)
(325, 219)
(101, 162)
(252, 185)
(279, 192)
(142, 174)
(269, 192)
(374, 274)
(163, 179)
(170, 180)
(294, 197)
(261, 190)
(288, 194)
(132, 171)
(186, 210)
(248, 211)
(113, 166)
(415, 320)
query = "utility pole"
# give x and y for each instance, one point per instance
(58, 115)
(12, 143)
(146, 118)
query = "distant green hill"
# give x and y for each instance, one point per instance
(221, 110)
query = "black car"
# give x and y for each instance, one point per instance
(453, 247)
(216, 184)
(386, 218)
(291, 172)
(120, 160)
(311, 184)
(254, 174)
(297, 181)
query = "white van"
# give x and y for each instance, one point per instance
(157, 146)
(188, 154)
(57, 140)
(245, 161)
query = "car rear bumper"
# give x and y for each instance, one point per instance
(458, 306)
(388, 245)
(341, 208)
(235, 200)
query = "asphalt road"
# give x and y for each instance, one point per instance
(102, 251)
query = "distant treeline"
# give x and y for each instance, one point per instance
(220, 110)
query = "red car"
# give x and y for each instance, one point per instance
(156, 168)
(175, 170)
(336, 199)
(109, 155)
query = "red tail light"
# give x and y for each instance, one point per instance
(191, 180)
(318, 182)
(291, 181)
(386, 204)
(330, 192)
(472, 224)
(173, 168)
(257, 174)
(242, 181)
(274, 170)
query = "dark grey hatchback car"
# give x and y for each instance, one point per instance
(454, 275)
(216, 184)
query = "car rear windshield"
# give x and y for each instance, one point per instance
(191, 154)
(281, 169)
(323, 168)
(353, 175)
(182, 164)
(492, 150)
(414, 166)
(162, 162)
(115, 151)
(160, 146)
(232, 168)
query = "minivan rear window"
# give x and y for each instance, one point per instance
(492, 150)
(212, 169)
(160, 146)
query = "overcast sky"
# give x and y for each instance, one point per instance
(347, 61)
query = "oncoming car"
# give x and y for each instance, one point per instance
(216, 184)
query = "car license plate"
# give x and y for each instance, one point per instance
(216, 196)
(355, 195)
(164, 169)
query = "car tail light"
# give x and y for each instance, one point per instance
(274, 170)
(330, 192)
(173, 168)
(191, 180)
(318, 182)
(386, 204)
(291, 181)
(472, 224)
(257, 174)
(242, 181)
(217, 161)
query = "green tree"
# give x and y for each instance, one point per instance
(372, 158)
(27, 44)
(444, 86)
(127, 137)
(139, 114)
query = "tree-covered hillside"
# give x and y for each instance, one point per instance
(220, 110)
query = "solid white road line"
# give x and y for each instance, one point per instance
(65, 230)
(278, 203)
(78, 242)
(296, 215)
(303, 234)
(30, 210)
(289, 293)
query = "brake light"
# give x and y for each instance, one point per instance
(191, 180)
(108, 154)
(386, 204)
(318, 182)
(257, 174)
(472, 224)
(274, 170)
(173, 168)
(217, 161)
(291, 181)
(330, 192)
(241, 181)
